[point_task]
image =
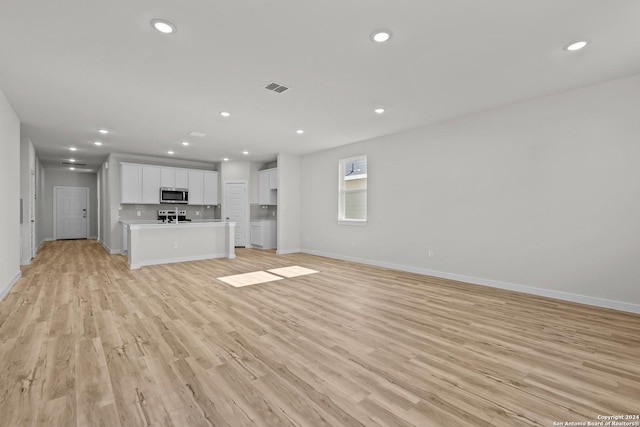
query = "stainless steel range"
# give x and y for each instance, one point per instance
(169, 215)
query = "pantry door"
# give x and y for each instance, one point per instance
(235, 206)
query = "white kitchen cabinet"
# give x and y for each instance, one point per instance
(263, 234)
(167, 178)
(174, 178)
(151, 185)
(140, 184)
(125, 237)
(196, 187)
(182, 178)
(267, 195)
(210, 188)
(130, 183)
(273, 179)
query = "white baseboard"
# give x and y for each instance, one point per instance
(179, 259)
(582, 299)
(25, 261)
(40, 245)
(109, 250)
(5, 290)
(288, 251)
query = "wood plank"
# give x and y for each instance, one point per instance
(86, 341)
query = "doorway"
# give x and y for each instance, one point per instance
(235, 206)
(70, 212)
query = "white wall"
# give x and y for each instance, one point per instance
(57, 178)
(541, 196)
(10, 189)
(289, 190)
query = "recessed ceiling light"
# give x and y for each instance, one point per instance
(573, 46)
(185, 143)
(98, 143)
(72, 160)
(103, 131)
(226, 159)
(300, 131)
(381, 36)
(163, 26)
(169, 152)
(225, 113)
(245, 152)
(72, 168)
(72, 148)
(379, 110)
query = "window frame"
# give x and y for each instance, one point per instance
(342, 191)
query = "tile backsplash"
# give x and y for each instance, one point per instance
(263, 212)
(150, 212)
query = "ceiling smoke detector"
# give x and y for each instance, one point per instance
(276, 87)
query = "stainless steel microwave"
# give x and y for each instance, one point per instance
(174, 195)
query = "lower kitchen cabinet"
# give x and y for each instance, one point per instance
(125, 237)
(263, 234)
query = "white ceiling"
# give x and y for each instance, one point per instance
(71, 67)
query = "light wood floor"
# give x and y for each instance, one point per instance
(85, 341)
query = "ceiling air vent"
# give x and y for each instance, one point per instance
(73, 164)
(276, 87)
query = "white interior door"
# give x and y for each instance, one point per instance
(71, 212)
(236, 208)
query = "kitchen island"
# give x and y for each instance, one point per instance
(164, 243)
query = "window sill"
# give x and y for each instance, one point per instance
(360, 222)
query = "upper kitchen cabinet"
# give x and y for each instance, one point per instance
(196, 187)
(210, 196)
(268, 193)
(273, 179)
(174, 178)
(139, 184)
(203, 187)
(151, 184)
(130, 183)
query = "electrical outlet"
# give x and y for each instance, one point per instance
(430, 254)
(197, 213)
(175, 245)
(138, 213)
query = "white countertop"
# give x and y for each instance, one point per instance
(186, 224)
(151, 221)
(139, 221)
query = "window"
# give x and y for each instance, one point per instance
(352, 189)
